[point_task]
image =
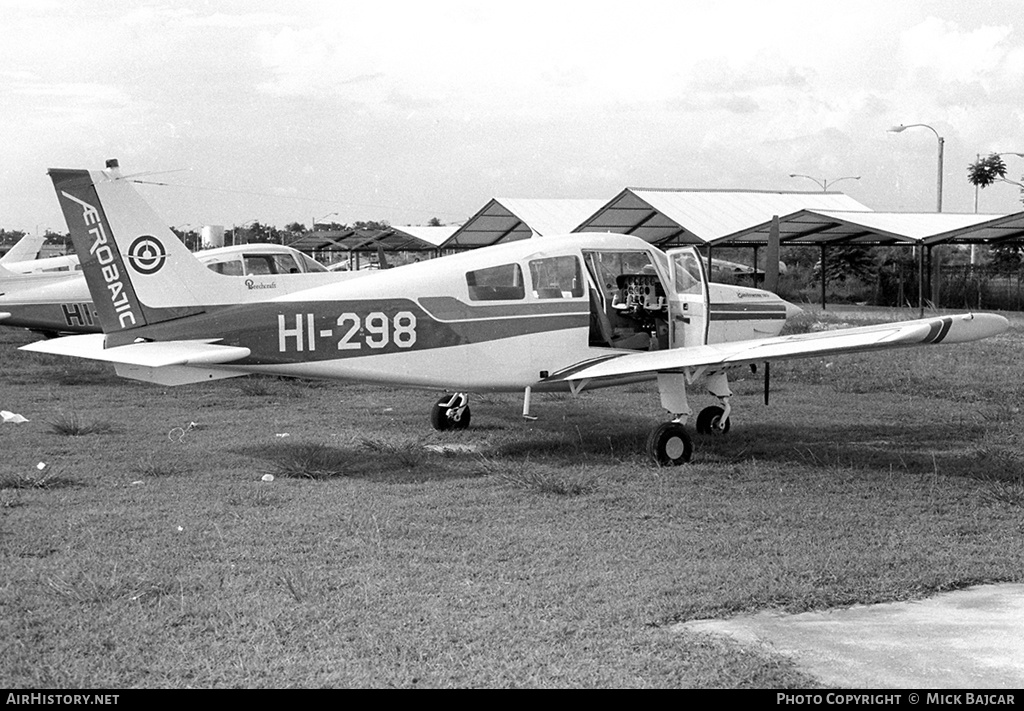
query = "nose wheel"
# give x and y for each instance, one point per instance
(451, 412)
(670, 444)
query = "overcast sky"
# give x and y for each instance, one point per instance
(402, 111)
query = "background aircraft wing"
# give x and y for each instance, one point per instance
(940, 329)
(156, 354)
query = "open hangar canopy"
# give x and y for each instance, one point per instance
(825, 227)
(420, 237)
(928, 229)
(412, 238)
(671, 217)
(509, 219)
(324, 241)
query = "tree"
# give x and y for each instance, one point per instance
(10, 237)
(985, 171)
(434, 222)
(981, 174)
(844, 262)
(192, 239)
(370, 225)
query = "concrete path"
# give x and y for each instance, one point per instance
(969, 639)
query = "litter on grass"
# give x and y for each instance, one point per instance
(453, 448)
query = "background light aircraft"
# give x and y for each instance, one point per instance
(562, 313)
(54, 302)
(22, 258)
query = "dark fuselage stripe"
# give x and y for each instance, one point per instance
(762, 316)
(566, 372)
(938, 330)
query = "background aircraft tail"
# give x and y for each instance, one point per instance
(24, 250)
(139, 272)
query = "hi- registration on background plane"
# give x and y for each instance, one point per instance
(556, 313)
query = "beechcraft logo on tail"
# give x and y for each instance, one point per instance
(104, 253)
(146, 255)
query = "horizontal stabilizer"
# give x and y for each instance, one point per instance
(155, 354)
(943, 329)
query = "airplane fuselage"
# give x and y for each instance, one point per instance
(432, 325)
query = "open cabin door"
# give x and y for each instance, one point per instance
(687, 299)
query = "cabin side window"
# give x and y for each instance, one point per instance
(556, 278)
(285, 264)
(688, 275)
(309, 264)
(232, 267)
(496, 283)
(258, 264)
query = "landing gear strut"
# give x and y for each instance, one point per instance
(451, 412)
(669, 444)
(712, 420)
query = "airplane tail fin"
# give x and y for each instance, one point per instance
(24, 250)
(139, 272)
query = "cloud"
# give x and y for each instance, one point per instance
(940, 49)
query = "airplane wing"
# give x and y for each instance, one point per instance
(156, 354)
(944, 329)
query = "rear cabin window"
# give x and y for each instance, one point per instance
(556, 278)
(231, 268)
(496, 283)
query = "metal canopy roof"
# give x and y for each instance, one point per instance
(325, 241)
(999, 229)
(509, 219)
(393, 239)
(882, 228)
(682, 216)
(433, 236)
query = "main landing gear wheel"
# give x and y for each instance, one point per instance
(670, 445)
(451, 412)
(709, 421)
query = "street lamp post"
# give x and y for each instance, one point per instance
(938, 207)
(823, 183)
(312, 227)
(242, 226)
(942, 143)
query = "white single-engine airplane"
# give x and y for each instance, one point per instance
(555, 313)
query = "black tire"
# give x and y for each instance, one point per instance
(709, 419)
(463, 422)
(670, 445)
(440, 420)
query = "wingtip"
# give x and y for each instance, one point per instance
(975, 326)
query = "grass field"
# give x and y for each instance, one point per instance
(148, 551)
